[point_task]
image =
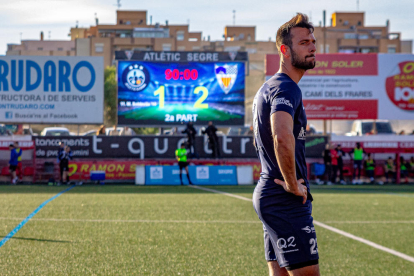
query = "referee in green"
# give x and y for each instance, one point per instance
(181, 155)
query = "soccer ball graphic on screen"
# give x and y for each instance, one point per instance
(226, 76)
(136, 77)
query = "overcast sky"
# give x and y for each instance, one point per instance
(27, 18)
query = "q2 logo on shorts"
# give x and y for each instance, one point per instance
(400, 87)
(135, 77)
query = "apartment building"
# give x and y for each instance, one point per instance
(348, 33)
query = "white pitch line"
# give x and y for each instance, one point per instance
(333, 229)
(403, 195)
(369, 221)
(138, 220)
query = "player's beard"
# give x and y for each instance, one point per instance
(302, 64)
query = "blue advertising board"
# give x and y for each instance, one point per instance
(199, 175)
(172, 93)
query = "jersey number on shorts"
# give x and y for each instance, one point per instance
(313, 249)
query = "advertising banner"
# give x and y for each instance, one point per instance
(199, 175)
(40, 89)
(356, 86)
(172, 93)
(155, 146)
(114, 170)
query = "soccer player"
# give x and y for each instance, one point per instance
(181, 155)
(370, 167)
(19, 168)
(358, 155)
(282, 197)
(64, 157)
(13, 163)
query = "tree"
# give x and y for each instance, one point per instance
(111, 100)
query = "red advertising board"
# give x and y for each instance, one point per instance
(356, 86)
(114, 169)
(334, 64)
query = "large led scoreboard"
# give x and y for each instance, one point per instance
(172, 88)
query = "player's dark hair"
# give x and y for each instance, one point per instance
(284, 36)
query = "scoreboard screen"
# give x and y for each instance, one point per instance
(174, 93)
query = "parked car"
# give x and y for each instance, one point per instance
(55, 131)
(89, 133)
(367, 127)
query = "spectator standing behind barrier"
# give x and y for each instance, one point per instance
(13, 163)
(370, 167)
(327, 160)
(358, 155)
(334, 162)
(181, 155)
(60, 154)
(114, 132)
(101, 131)
(212, 139)
(390, 169)
(341, 154)
(19, 168)
(404, 169)
(191, 134)
(64, 158)
(127, 131)
(412, 164)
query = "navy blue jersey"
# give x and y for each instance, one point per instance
(279, 93)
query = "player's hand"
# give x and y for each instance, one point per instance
(300, 191)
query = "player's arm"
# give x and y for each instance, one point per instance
(284, 145)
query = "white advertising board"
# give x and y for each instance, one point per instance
(46, 89)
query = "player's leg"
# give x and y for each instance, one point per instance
(61, 167)
(181, 173)
(312, 270)
(276, 270)
(188, 175)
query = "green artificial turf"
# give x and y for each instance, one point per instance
(163, 230)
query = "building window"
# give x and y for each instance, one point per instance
(99, 47)
(72, 49)
(196, 48)
(350, 35)
(40, 49)
(60, 49)
(166, 47)
(327, 48)
(180, 35)
(321, 48)
(392, 49)
(181, 48)
(363, 36)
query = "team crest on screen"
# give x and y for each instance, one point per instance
(226, 76)
(135, 77)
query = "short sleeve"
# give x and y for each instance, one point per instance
(285, 100)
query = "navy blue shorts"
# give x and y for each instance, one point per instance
(289, 234)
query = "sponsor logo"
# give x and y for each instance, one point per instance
(400, 86)
(156, 173)
(225, 171)
(226, 76)
(129, 54)
(9, 115)
(286, 244)
(232, 55)
(202, 172)
(302, 134)
(283, 101)
(136, 77)
(309, 229)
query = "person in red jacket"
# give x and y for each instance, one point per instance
(334, 163)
